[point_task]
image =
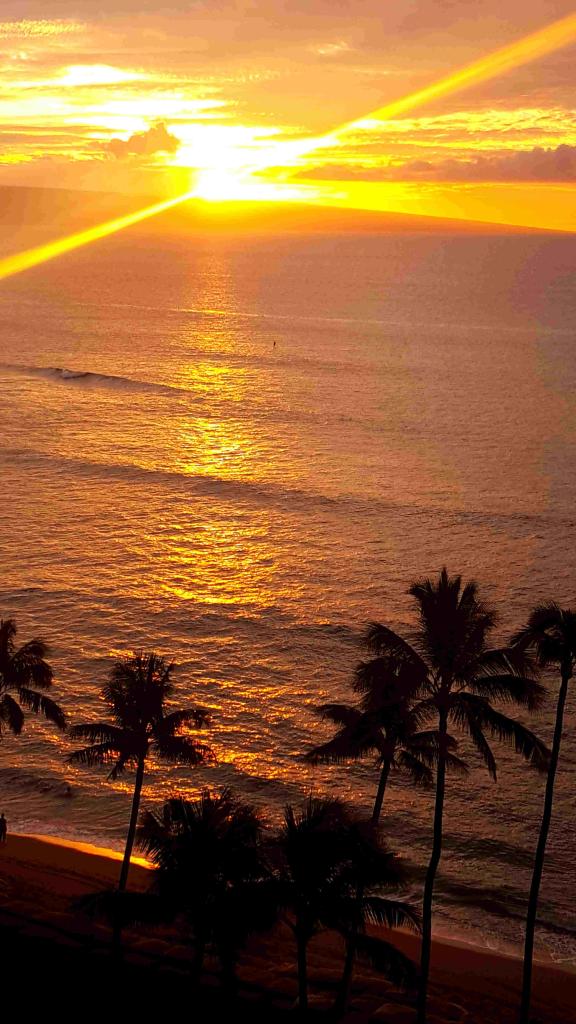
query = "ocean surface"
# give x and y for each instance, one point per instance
(238, 451)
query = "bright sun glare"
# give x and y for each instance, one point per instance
(232, 156)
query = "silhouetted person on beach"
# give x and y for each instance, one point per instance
(3, 828)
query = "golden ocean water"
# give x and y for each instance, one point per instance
(238, 451)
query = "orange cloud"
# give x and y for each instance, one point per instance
(156, 140)
(27, 29)
(537, 164)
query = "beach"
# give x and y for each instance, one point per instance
(41, 878)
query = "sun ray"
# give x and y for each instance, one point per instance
(531, 47)
(538, 44)
(11, 265)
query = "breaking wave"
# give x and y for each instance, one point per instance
(63, 375)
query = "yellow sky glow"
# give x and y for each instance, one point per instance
(233, 155)
(532, 47)
(290, 154)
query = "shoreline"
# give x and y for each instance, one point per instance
(91, 849)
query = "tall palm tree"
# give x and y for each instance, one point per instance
(385, 724)
(211, 867)
(319, 876)
(551, 633)
(24, 673)
(458, 676)
(137, 694)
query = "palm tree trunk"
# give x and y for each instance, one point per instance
(380, 793)
(343, 994)
(132, 826)
(342, 997)
(432, 869)
(541, 852)
(228, 973)
(199, 957)
(302, 945)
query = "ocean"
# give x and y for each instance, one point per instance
(238, 451)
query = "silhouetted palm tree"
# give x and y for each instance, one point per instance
(323, 864)
(137, 695)
(210, 867)
(24, 672)
(458, 676)
(368, 870)
(386, 724)
(551, 633)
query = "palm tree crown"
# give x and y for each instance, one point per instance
(24, 674)
(136, 693)
(551, 633)
(458, 675)
(385, 724)
(210, 866)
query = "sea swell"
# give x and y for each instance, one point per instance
(275, 494)
(63, 375)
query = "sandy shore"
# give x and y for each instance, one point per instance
(40, 878)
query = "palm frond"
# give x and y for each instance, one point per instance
(43, 705)
(342, 748)
(96, 754)
(467, 714)
(11, 714)
(504, 661)
(152, 836)
(423, 711)
(510, 689)
(477, 715)
(551, 634)
(427, 743)
(385, 642)
(457, 764)
(387, 960)
(544, 617)
(391, 913)
(523, 740)
(184, 750)
(420, 773)
(359, 736)
(339, 714)
(97, 732)
(197, 718)
(27, 664)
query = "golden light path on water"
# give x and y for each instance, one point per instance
(238, 185)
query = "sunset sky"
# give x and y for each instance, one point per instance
(223, 98)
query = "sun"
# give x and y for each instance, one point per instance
(225, 161)
(217, 186)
